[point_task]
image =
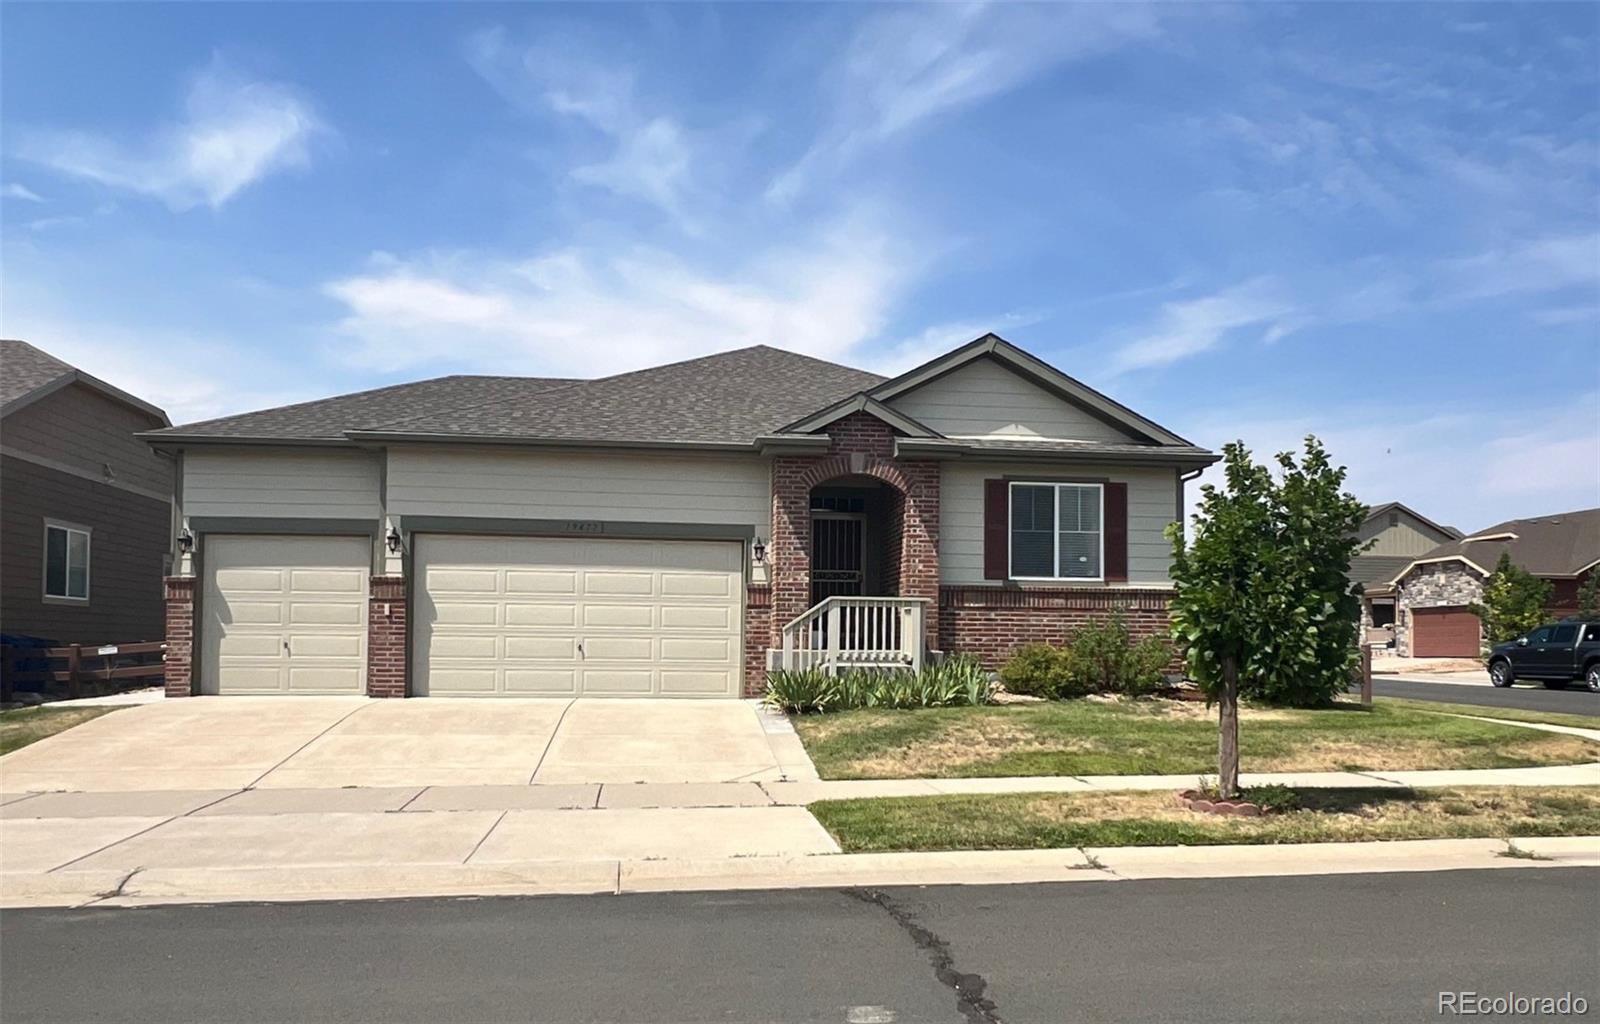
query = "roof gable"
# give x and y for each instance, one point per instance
(1557, 546)
(1039, 373)
(28, 373)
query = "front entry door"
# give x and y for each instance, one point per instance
(837, 563)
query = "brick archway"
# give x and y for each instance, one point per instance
(860, 445)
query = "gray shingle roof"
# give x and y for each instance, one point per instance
(1376, 569)
(727, 398)
(24, 369)
(329, 418)
(1556, 545)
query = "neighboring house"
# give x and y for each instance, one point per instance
(1398, 534)
(652, 533)
(1433, 592)
(86, 517)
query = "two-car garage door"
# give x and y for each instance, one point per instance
(549, 616)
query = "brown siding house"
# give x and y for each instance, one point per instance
(85, 512)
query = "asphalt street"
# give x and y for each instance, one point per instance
(1337, 948)
(1574, 700)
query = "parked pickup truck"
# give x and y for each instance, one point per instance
(1555, 655)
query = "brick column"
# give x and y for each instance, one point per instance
(789, 549)
(757, 635)
(919, 539)
(386, 637)
(180, 636)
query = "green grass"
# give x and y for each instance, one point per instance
(1024, 821)
(1485, 711)
(1155, 737)
(23, 726)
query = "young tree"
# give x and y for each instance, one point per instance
(1514, 601)
(1263, 604)
(1589, 596)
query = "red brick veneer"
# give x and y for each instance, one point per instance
(991, 622)
(757, 634)
(860, 445)
(386, 637)
(180, 636)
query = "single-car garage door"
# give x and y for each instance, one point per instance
(551, 616)
(284, 614)
(1444, 633)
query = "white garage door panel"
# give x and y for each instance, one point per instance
(569, 616)
(284, 614)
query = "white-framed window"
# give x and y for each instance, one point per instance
(1057, 531)
(66, 562)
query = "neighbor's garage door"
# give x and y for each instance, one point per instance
(1444, 633)
(529, 616)
(284, 614)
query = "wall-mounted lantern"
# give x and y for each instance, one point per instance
(392, 541)
(758, 551)
(185, 541)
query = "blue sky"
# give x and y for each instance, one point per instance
(1377, 223)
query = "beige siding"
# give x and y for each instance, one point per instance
(82, 430)
(1407, 537)
(984, 399)
(551, 485)
(300, 483)
(1152, 504)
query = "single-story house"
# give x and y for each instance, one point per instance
(1397, 534)
(1433, 592)
(86, 524)
(666, 532)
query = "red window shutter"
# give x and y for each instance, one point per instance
(996, 529)
(1116, 527)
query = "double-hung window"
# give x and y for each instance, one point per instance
(1057, 531)
(66, 562)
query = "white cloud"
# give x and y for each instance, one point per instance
(907, 66)
(1540, 264)
(233, 132)
(653, 155)
(941, 338)
(1192, 326)
(1454, 467)
(16, 191)
(586, 311)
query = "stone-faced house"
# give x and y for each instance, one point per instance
(86, 519)
(1432, 592)
(1397, 534)
(663, 533)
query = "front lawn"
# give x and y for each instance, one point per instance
(23, 726)
(1159, 737)
(1030, 821)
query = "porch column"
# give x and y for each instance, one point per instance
(919, 541)
(789, 550)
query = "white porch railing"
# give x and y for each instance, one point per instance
(839, 633)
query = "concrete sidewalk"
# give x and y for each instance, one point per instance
(118, 885)
(619, 796)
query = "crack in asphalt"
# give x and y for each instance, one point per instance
(968, 988)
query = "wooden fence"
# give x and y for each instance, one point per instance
(78, 664)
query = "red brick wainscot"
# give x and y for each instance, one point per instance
(757, 633)
(180, 636)
(386, 637)
(991, 622)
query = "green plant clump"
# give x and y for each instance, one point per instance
(959, 681)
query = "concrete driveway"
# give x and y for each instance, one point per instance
(231, 743)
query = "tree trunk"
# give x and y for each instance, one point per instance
(1228, 729)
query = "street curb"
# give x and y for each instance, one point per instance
(1121, 864)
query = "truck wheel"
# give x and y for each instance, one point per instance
(1555, 684)
(1500, 673)
(1591, 677)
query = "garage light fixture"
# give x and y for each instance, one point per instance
(758, 551)
(185, 541)
(392, 539)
